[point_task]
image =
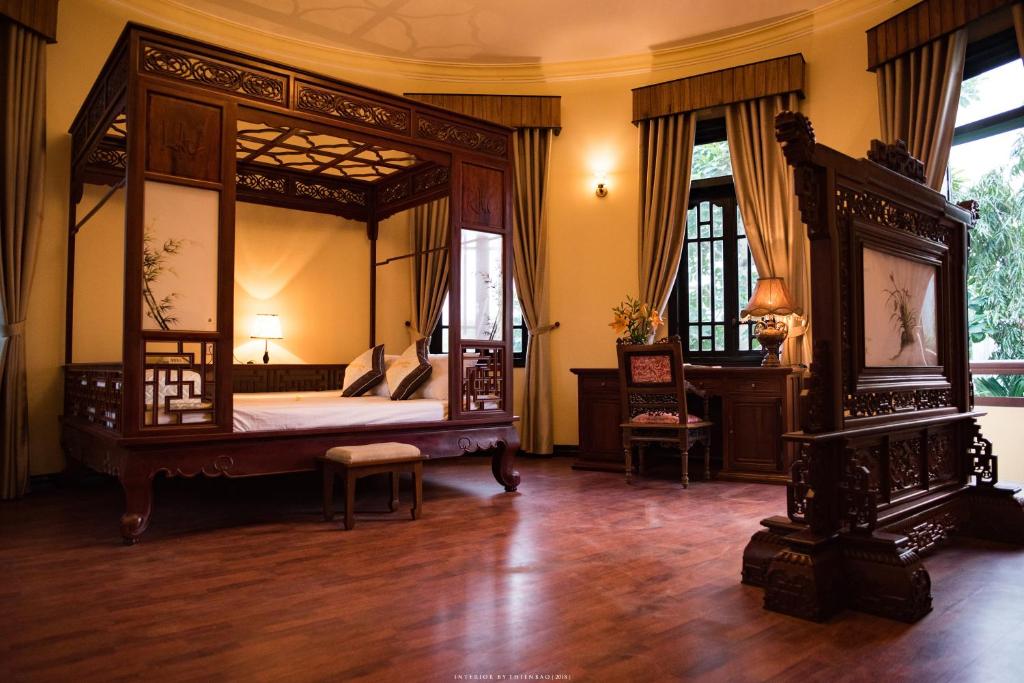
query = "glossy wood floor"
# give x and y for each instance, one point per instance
(577, 574)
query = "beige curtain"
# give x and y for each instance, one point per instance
(764, 190)
(531, 153)
(918, 94)
(666, 153)
(430, 228)
(22, 80)
(1018, 24)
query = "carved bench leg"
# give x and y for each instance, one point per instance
(138, 504)
(503, 465)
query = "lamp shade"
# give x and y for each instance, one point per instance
(771, 297)
(267, 326)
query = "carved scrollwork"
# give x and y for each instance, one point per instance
(213, 73)
(859, 497)
(817, 399)
(329, 194)
(350, 108)
(795, 133)
(851, 203)
(872, 403)
(109, 157)
(926, 536)
(904, 464)
(430, 179)
(262, 182)
(940, 458)
(395, 192)
(463, 136)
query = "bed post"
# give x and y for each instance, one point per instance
(137, 482)
(372, 230)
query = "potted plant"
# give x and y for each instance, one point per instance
(635, 322)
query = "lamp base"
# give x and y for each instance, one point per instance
(771, 333)
(266, 351)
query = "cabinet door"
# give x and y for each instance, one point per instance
(755, 428)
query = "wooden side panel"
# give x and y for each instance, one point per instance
(184, 138)
(482, 197)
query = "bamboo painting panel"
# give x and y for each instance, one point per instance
(900, 311)
(179, 288)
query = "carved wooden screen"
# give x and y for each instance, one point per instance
(180, 256)
(480, 301)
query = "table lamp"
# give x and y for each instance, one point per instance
(770, 298)
(267, 327)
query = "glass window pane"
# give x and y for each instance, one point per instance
(179, 258)
(740, 230)
(995, 91)
(705, 281)
(744, 338)
(719, 280)
(719, 337)
(711, 160)
(482, 285)
(691, 223)
(694, 338)
(692, 271)
(716, 220)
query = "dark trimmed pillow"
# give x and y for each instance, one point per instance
(364, 373)
(409, 370)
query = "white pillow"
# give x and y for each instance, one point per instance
(409, 370)
(364, 373)
(382, 388)
(437, 385)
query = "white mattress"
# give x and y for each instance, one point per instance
(312, 409)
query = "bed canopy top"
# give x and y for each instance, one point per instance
(188, 129)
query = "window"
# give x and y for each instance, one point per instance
(520, 337)
(717, 273)
(986, 164)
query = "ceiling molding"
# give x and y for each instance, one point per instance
(176, 16)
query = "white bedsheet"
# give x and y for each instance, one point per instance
(311, 409)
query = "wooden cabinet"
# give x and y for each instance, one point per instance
(752, 407)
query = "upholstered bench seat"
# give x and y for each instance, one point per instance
(354, 462)
(374, 452)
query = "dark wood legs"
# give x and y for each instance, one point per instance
(503, 464)
(138, 503)
(351, 473)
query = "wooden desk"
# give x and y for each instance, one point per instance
(751, 408)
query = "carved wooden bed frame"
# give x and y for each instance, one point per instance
(164, 109)
(892, 461)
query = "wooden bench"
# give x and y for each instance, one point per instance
(354, 462)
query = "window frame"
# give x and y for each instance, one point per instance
(721, 188)
(982, 56)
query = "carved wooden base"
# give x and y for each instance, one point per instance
(503, 464)
(763, 546)
(804, 579)
(884, 576)
(997, 513)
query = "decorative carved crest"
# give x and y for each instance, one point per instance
(795, 133)
(971, 207)
(799, 487)
(853, 204)
(896, 158)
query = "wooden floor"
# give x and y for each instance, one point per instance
(577, 574)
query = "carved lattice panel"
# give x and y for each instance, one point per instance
(483, 383)
(94, 395)
(179, 384)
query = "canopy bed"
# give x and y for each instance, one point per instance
(187, 129)
(891, 460)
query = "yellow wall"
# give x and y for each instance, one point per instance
(592, 247)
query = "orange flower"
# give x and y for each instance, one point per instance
(656, 320)
(619, 324)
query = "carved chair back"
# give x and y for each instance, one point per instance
(652, 383)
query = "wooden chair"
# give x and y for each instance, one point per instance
(653, 393)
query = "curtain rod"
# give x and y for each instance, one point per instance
(410, 255)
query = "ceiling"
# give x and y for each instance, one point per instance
(500, 31)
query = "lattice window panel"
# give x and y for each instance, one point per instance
(179, 384)
(483, 379)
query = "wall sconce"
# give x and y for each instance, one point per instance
(602, 185)
(266, 327)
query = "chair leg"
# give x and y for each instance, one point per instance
(417, 490)
(328, 474)
(350, 500)
(394, 491)
(707, 460)
(686, 468)
(629, 464)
